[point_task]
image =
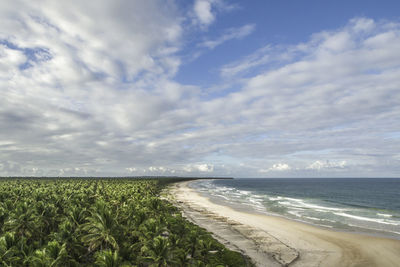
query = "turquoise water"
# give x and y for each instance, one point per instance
(368, 205)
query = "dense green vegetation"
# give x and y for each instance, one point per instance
(100, 222)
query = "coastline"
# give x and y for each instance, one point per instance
(277, 241)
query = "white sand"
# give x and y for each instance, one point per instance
(276, 241)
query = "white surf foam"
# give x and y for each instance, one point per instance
(383, 221)
(384, 215)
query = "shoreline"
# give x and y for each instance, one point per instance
(355, 230)
(277, 241)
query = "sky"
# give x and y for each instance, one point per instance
(200, 88)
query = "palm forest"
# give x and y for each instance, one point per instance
(101, 222)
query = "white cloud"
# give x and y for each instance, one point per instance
(66, 78)
(189, 169)
(276, 167)
(271, 55)
(233, 33)
(329, 94)
(203, 11)
(157, 169)
(320, 165)
(205, 167)
(280, 167)
(362, 24)
(131, 169)
(76, 100)
(202, 167)
(10, 60)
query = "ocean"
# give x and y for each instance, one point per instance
(363, 205)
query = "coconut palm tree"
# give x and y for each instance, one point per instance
(23, 221)
(59, 255)
(100, 227)
(8, 250)
(157, 252)
(182, 257)
(69, 235)
(77, 214)
(108, 258)
(92, 222)
(38, 259)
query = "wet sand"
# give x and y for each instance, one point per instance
(276, 241)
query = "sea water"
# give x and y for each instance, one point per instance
(367, 205)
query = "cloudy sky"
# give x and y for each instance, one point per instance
(203, 87)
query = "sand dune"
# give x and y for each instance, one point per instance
(276, 241)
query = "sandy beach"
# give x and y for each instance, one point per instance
(276, 241)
